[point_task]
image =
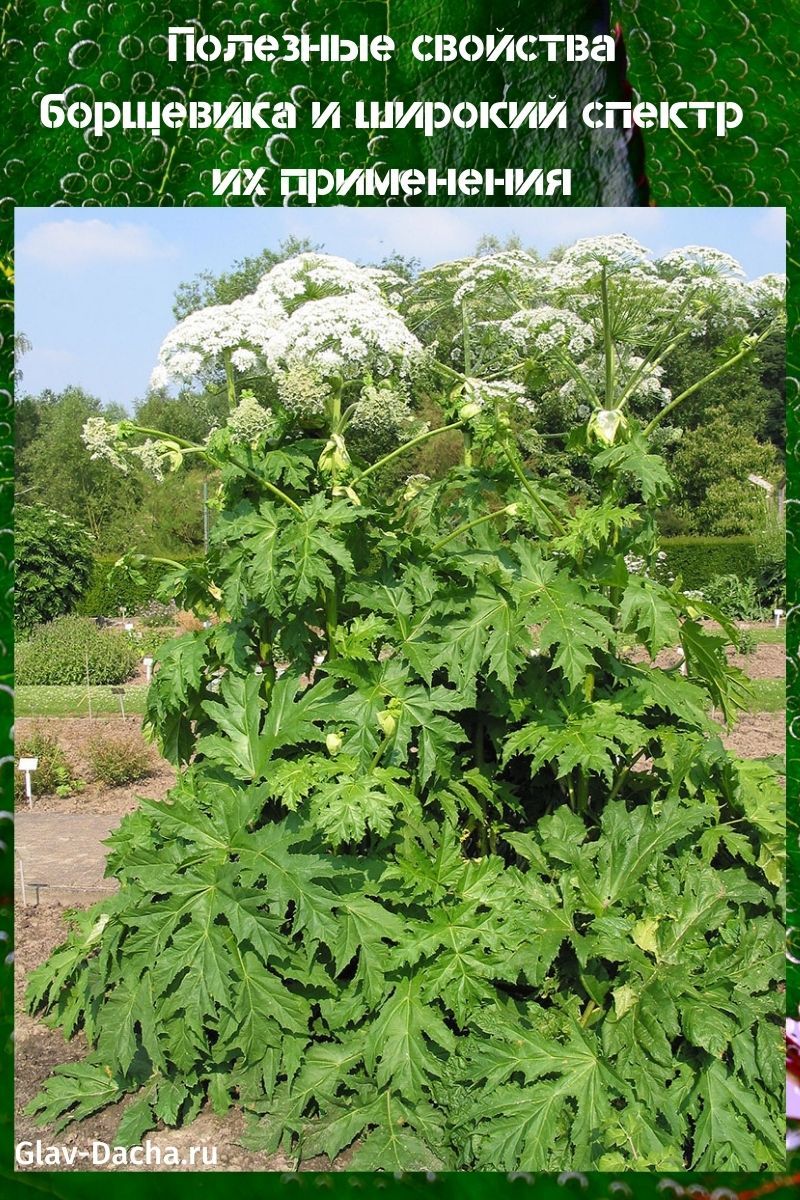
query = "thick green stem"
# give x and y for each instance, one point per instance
(422, 437)
(160, 436)
(588, 1012)
(492, 516)
(624, 773)
(745, 352)
(516, 467)
(331, 620)
(336, 406)
(195, 448)
(230, 381)
(608, 343)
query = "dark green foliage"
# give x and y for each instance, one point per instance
(69, 648)
(414, 898)
(770, 551)
(746, 642)
(54, 775)
(111, 591)
(696, 560)
(736, 598)
(53, 562)
(118, 758)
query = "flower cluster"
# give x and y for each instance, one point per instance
(108, 440)
(153, 458)
(103, 441)
(241, 329)
(312, 319)
(344, 337)
(315, 276)
(693, 262)
(768, 291)
(480, 273)
(249, 420)
(542, 329)
(302, 391)
(381, 417)
(496, 393)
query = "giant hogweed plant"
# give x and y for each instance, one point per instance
(454, 875)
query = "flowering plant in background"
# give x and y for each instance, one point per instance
(455, 875)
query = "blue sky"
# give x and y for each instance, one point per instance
(94, 287)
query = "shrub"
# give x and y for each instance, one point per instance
(698, 559)
(770, 554)
(53, 561)
(119, 758)
(54, 775)
(111, 591)
(746, 642)
(64, 651)
(736, 598)
(436, 891)
(150, 641)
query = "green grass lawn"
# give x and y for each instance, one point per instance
(767, 695)
(74, 702)
(771, 637)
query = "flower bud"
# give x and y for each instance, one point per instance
(387, 722)
(333, 741)
(334, 458)
(512, 510)
(469, 410)
(605, 423)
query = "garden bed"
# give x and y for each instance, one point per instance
(74, 735)
(39, 1050)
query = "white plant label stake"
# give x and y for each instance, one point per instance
(778, 614)
(148, 666)
(28, 766)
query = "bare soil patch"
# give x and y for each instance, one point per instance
(758, 735)
(39, 1049)
(768, 661)
(73, 735)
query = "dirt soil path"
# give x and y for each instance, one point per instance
(62, 855)
(38, 1049)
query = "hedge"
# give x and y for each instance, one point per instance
(105, 597)
(53, 564)
(695, 559)
(698, 559)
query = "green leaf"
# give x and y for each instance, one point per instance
(394, 1145)
(74, 1091)
(725, 1112)
(559, 604)
(648, 610)
(596, 738)
(633, 458)
(402, 1043)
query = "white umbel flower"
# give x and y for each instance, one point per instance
(249, 420)
(102, 439)
(344, 337)
(543, 329)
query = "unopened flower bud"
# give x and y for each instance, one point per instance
(387, 722)
(334, 458)
(469, 410)
(605, 423)
(333, 741)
